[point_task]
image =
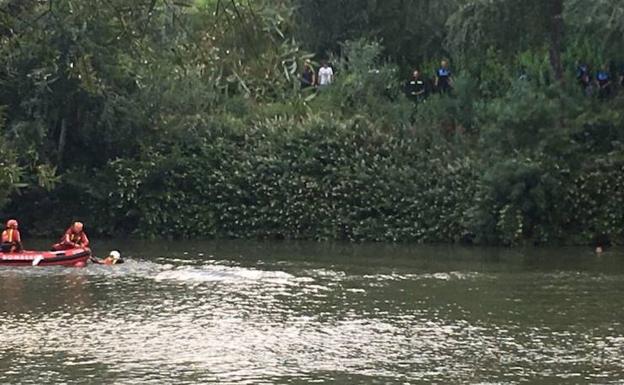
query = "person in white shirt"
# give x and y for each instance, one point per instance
(325, 75)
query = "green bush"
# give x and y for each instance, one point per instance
(314, 179)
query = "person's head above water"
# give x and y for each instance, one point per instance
(77, 227)
(114, 258)
(115, 255)
(12, 224)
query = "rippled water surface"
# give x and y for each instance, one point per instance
(282, 313)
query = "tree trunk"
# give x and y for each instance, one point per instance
(556, 37)
(61, 142)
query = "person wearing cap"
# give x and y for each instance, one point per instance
(74, 237)
(114, 258)
(11, 238)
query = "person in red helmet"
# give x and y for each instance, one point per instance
(74, 237)
(11, 238)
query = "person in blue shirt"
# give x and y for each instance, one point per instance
(603, 78)
(444, 78)
(584, 78)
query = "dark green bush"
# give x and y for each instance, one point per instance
(315, 179)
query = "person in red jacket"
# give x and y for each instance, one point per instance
(11, 238)
(73, 238)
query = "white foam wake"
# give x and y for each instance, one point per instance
(216, 273)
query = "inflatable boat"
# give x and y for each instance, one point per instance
(72, 258)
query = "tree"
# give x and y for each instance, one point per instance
(10, 172)
(72, 73)
(412, 32)
(509, 27)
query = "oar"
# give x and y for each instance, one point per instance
(37, 260)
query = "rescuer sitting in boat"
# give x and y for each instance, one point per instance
(114, 258)
(73, 238)
(11, 238)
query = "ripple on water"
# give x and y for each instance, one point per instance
(224, 274)
(209, 322)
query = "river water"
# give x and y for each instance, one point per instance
(298, 313)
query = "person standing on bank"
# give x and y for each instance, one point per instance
(415, 87)
(584, 78)
(325, 75)
(444, 78)
(308, 77)
(603, 78)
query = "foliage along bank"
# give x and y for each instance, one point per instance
(173, 121)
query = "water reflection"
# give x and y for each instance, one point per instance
(347, 316)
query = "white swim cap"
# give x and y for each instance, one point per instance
(115, 254)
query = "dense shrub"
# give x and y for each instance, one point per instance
(315, 179)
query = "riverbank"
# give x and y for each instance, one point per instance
(350, 180)
(143, 140)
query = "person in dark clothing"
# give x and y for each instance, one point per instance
(444, 78)
(584, 78)
(415, 89)
(523, 75)
(603, 78)
(308, 77)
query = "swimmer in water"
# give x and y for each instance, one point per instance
(114, 258)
